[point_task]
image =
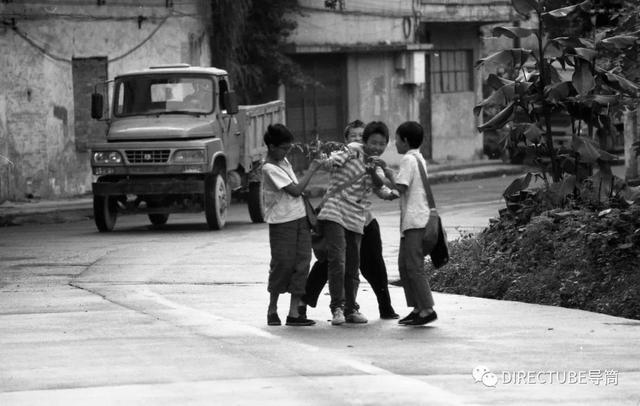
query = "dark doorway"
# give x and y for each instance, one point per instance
(88, 74)
(319, 109)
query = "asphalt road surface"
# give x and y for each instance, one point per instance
(177, 315)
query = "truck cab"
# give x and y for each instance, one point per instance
(177, 141)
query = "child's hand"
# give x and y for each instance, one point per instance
(376, 161)
(393, 195)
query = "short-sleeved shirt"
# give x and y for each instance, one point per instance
(414, 210)
(348, 207)
(280, 206)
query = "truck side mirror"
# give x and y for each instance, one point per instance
(231, 102)
(97, 105)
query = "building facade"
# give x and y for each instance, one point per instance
(56, 52)
(393, 61)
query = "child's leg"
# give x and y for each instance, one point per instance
(273, 303)
(334, 234)
(302, 255)
(373, 268)
(351, 276)
(416, 276)
(282, 260)
(315, 283)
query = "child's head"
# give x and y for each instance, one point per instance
(353, 131)
(278, 140)
(409, 135)
(375, 138)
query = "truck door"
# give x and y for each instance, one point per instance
(231, 136)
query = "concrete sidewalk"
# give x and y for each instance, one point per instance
(81, 207)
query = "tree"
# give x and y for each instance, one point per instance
(246, 40)
(597, 90)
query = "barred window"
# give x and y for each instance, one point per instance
(451, 71)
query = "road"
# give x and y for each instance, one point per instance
(177, 315)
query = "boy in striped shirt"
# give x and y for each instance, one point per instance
(343, 217)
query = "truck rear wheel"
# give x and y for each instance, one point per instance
(158, 219)
(254, 202)
(215, 201)
(105, 212)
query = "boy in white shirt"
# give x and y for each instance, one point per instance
(414, 214)
(289, 230)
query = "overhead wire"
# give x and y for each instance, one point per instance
(58, 58)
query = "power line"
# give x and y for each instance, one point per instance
(58, 58)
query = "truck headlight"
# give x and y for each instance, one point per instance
(107, 157)
(189, 156)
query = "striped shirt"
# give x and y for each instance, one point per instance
(348, 207)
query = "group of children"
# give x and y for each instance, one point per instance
(351, 232)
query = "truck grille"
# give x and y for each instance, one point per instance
(148, 156)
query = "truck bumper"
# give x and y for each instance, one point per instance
(156, 187)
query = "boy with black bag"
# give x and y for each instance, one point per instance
(414, 214)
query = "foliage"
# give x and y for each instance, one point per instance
(596, 92)
(246, 40)
(579, 256)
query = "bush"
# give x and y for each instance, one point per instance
(578, 257)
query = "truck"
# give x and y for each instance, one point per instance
(176, 142)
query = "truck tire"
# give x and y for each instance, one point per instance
(254, 202)
(105, 212)
(158, 219)
(215, 201)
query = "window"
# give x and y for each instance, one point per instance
(451, 71)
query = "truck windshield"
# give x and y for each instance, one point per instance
(163, 94)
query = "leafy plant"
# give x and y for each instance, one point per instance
(246, 40)
(596, 91)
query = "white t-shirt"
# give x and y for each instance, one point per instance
(414, 210)
(280, 206)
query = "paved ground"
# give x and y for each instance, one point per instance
(156, 316)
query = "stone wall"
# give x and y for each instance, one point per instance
(39, 155)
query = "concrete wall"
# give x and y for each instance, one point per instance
(375, 92)
(36, 87)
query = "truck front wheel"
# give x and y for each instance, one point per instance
(215, 201)
(254, 202)
(105, 212)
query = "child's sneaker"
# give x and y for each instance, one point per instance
(356, 317)
(338, 317)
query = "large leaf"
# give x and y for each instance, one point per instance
(572, 42)
(525, 7)
(585, 53)
(566, 11)
(583, 79)
(620, 41)
(516, 57)
(620, 83)
(496, 82)
(500, 97)
(513, 32)
(533, 133)
(499, 120)
(519, 184)
(589, 151)
(558, 91)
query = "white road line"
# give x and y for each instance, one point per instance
(190, 316)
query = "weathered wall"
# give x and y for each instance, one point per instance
(455, 136)
(375, 93)
(36, 87)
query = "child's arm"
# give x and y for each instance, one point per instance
(297, 189)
